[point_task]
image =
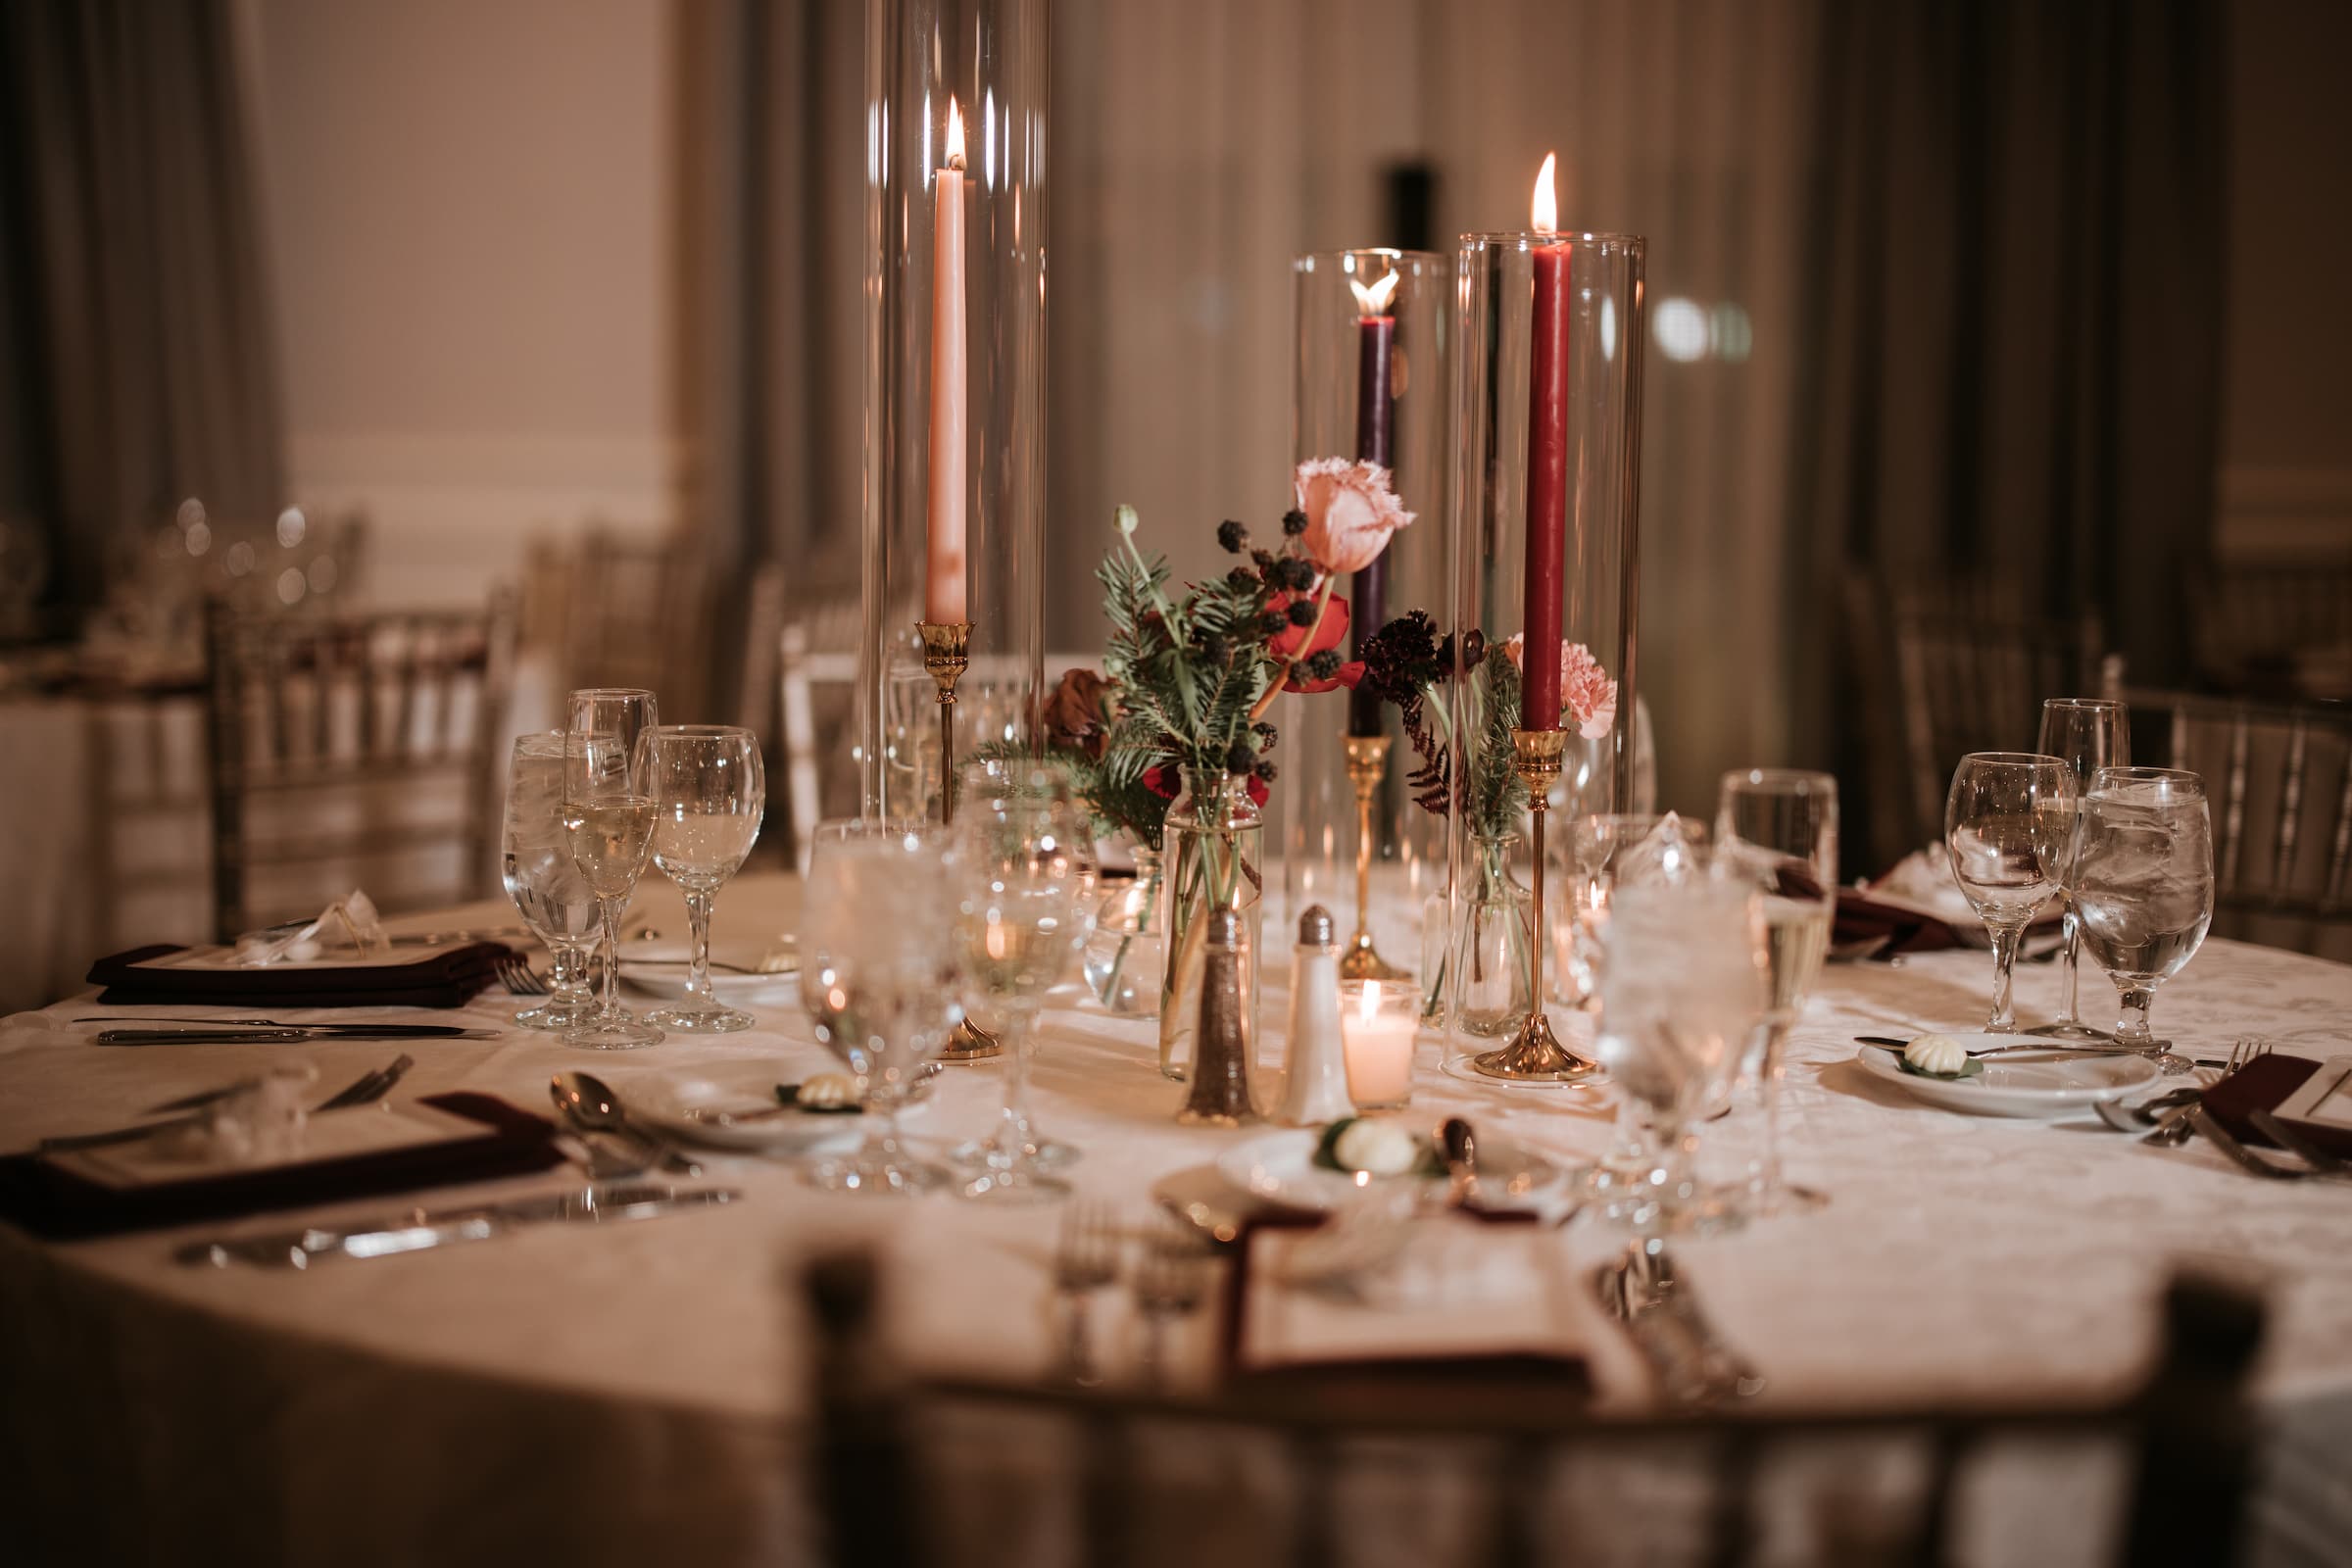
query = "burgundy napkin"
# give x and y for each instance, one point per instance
(2263, 1084)
(56, 1205)
(445, 979)
(1861, 918)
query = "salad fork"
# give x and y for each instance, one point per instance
(1086, 1258)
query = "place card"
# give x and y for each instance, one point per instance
(183, 1154)
(2324, 1099)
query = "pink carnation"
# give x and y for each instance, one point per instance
(1351, 511)
(1587, 695)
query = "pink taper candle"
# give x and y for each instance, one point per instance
(943, 584)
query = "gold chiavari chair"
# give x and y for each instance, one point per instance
(2278, 781)
(2180, 1446)
(358, 750)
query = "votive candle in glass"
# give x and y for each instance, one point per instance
(1378, 1020)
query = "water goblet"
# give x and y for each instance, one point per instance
(608, 813)
(710, 789)
(2143, 882)
(1025, 916)
(2089, 733)
(545, 883)
(2008, 825)
(1776, 832)
(881, 979)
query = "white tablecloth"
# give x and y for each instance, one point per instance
(618, 1394)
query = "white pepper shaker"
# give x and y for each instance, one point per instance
(1316, 1089)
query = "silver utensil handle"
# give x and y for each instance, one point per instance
(201, 1037)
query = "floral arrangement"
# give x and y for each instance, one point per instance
(1408, 665)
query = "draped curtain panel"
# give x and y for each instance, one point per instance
(138, 362)
(2015, 316)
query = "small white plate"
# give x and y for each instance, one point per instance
(1281, 1166)
(2022, 1084)
(666, 1101)
(659, 969)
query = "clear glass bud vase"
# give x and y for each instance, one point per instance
(1212, 845)
(1494, 967)
(1126, 958)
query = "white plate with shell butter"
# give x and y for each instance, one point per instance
(2027, 1082)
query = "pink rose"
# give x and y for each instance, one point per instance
(1587, 697)
(1351, 511)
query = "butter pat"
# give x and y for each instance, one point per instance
(827, 1090)
(1378, 1146)
(1938, 1054)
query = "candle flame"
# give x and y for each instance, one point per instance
(1546, 205)
(1367, 1003)
(1374, 301)
(955, 137)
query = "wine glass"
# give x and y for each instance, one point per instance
(2143, 882)
(2008, 825)
(609, 812)
(2090, 733)
(710, 788)
(881, 980)
(540, 877)
(1775, 831)
(1025, 914)
(1683, 979)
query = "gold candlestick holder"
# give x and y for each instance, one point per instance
(947, 654)
(1534, 1054)
(1367, 766)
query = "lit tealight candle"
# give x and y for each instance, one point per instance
(1377, 1026)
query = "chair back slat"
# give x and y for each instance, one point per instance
(2339, 859)
(2233, 831)
(2290, 807)
(1731, 1504)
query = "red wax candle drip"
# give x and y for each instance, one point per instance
(1546, 492)
(1375, 440)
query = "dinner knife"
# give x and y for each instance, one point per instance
(389, 1235)
(293, 1035)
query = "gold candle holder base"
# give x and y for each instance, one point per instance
(968, 1042)
(947, 654)
(1367, 764)
(1534, 1053)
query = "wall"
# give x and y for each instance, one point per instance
(2286, 439)
(472, 225)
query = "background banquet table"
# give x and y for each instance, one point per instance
(593, 1394)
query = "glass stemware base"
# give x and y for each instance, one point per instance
(1015, 1184)
(615, 1030)
(713, 1020)
(2075, 1033)
(880, 1175)
(556, 1012)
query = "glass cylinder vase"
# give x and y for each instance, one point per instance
(1371, 331)
(1126, 958)
(953, 524)
(1212, 839)
(1544, 529)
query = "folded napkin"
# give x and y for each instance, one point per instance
(1473, 1299)
(212, 977)
(1917, 907)
(57, 1204)
(2269, 1082)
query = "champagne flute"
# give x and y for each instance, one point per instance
(2008, 825)
(608, 812)
(2090, 733)
(1775, 831)
(540, 877)
(2144, 880)
(710, 789)
(881, 979)
(1025, 914)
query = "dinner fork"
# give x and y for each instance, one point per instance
(373, 1086)
(516, 973)
(1170, 1282)
(1086, 1258)
(2321, 1161)
(2241, 1155)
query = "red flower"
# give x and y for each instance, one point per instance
(1350, 673)
(1258, 789)
(1162, 779)
(1291, 642)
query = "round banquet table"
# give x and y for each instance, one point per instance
(592, 1394)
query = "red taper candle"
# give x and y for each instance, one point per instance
(1546, 472)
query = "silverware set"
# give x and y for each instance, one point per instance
(1170, 1281)
(366, 1090)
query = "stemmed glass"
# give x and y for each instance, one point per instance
(2089, 733)
(710, 789)
(608, 813)
(2008, 825)
(2143, 882)
(881, 979)
(1682, 982)
(1026, 913)
(1775, 831)
(540, 877)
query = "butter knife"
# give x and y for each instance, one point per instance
(292, 1035)
(418, 1230)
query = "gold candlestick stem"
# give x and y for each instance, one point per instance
(1367, 764)
(947, 654)
(1534, 1054)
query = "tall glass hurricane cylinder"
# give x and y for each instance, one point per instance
(1369, 384)
(1546, 447)
(953, 527)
